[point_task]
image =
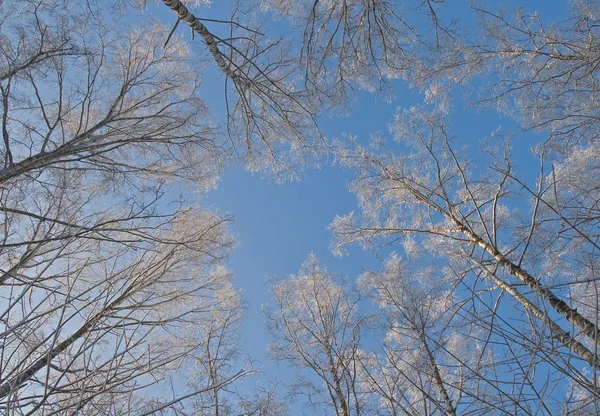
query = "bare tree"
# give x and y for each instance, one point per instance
(541, 72)
(270, 117)
(277, 88)
(360, 44)
(106, 283)
(447, 207)
(316, 326)
(416, 318)
(219, 355)
(440, 354)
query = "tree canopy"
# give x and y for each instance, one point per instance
(114, 280)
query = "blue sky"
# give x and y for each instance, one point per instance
(278, 225)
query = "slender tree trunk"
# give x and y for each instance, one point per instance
(557, 332)
(184, 14)
(437, 375)
(18, 380)
(574, 317)
(337, 385)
